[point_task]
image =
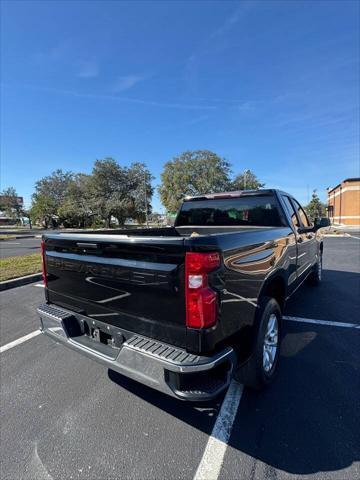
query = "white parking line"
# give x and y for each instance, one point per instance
(353, 236)
(40, 285)
(213, 456)
(20, 340)
(321, 322)
(212, 459)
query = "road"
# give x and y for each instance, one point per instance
(19, 246)
(62, 417)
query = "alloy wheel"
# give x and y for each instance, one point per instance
(271, 343)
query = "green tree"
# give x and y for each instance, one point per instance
(140, 192)
(193, 173)
(9, 203)
(246, 181)
(156, 218)
(107, 187)
(75, 209)
(315, 208)
(119, 192)
(50, 193)
(43, 209)
(54, 185)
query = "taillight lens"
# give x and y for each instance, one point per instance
(201, 300)
(202, 262)
(43, 261)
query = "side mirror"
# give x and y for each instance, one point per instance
(322, 222)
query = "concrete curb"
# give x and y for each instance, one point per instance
(14, 237)
(17, 282)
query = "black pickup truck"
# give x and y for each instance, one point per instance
(183, 309)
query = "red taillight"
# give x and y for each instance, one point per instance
(201, 304)
(43, 261)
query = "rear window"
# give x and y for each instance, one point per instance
(252, 210)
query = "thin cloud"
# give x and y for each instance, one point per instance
(249, 106)
(126, 82)
(53, 54)
(63, 56)
(88, 69)
(135, 101)
(229, 22)
(211, 43)
(196, 120)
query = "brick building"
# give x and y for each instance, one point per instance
(344, 202)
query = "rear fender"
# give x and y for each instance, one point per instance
(275, 287)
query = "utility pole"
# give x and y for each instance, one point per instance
(146, 206)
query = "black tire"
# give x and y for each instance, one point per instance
(315, 276)
(253, 373)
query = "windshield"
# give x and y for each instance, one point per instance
(247, 211)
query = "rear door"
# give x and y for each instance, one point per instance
(134, 283)
(306, 241)
(295, 223)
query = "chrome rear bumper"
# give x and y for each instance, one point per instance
(163, 367)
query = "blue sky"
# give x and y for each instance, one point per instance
(271, 86)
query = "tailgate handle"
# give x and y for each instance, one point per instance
(87, 245)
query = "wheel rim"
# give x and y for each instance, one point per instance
(271, 341)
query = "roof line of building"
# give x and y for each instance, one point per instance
(355, 179)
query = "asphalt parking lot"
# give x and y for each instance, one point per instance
(63, 417)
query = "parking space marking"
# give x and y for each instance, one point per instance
(321, 322)
(353, 236)
(19, 341)
(40, 285)
(213, 456)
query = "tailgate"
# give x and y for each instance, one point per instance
(134, 283)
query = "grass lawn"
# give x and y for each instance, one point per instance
(6, 237)
(14, 267)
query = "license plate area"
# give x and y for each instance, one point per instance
(103, 334)
(102, 337)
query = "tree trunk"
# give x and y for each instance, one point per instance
(121, 221)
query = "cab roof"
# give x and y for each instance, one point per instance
(234, 194)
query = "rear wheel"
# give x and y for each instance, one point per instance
(261, 367)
